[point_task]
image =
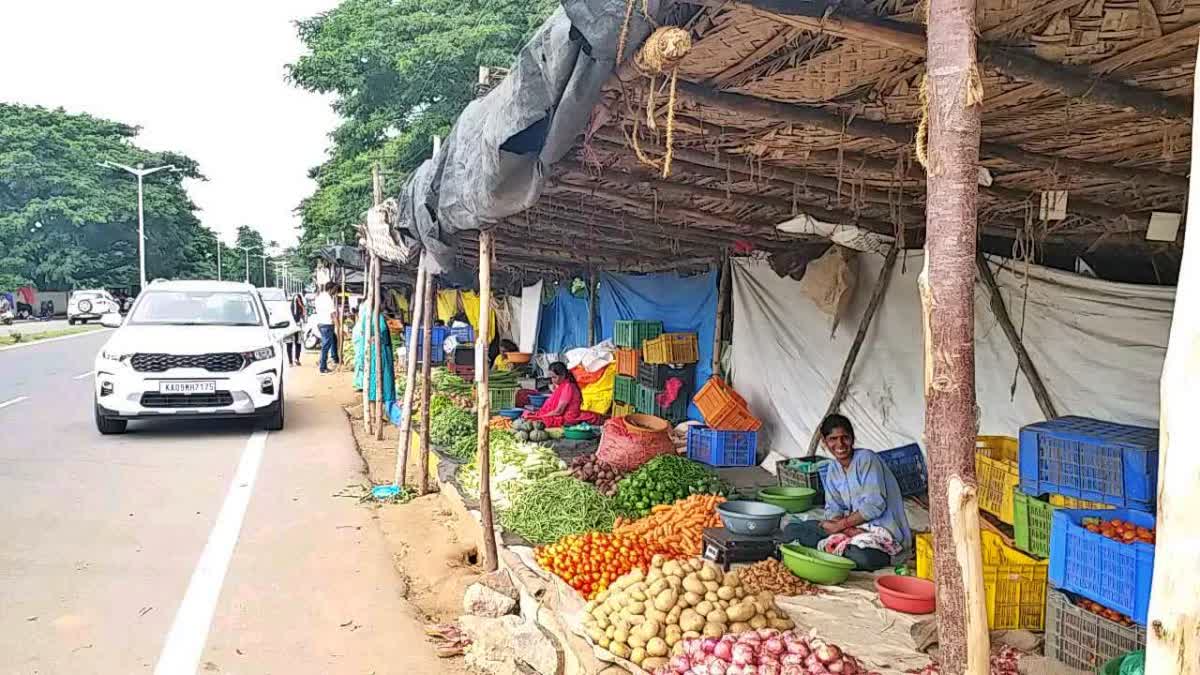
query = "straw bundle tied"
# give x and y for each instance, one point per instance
(662, 52)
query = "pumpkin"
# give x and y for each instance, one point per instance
(538, 425)
(538, 436)
(522, 435)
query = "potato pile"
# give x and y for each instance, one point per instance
(646, 617)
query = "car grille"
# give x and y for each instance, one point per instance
(214, 363)
(217, 399)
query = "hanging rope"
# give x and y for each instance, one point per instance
(660, 55)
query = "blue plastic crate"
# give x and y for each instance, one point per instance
(464, 334)
(1114, 574)
(715, 447)
(908, 466)
(437, 353)
(1091, 459)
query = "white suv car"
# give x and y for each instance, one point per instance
(193, 350)
(87, 306)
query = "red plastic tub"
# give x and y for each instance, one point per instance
(911, 595)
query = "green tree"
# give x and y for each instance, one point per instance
(249, 249)
(66, 222)
(400, 72)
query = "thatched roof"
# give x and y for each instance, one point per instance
(787, 107)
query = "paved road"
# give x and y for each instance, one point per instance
(211, 545)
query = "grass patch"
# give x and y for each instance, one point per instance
(12, 336)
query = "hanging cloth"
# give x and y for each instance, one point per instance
(470, 301)
(447, 305)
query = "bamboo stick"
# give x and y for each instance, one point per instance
(483, 402)
(410, 378)
(426, 384)
(380, 326)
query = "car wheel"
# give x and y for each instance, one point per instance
(70, 322)
(108, 426)
(274, 421)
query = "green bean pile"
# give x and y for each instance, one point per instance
(548, 510)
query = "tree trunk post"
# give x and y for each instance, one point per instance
(410, 377)
(947, 288)
(426, 385)
(1173, 634)
(483, 403)
(843, 385)
(380, 326)
(1014, 339)
(339, 330)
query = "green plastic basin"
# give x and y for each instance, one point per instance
(816, 566)
(792, 499)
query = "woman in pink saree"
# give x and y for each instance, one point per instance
(564, 407)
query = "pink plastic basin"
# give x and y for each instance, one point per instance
(911, 595)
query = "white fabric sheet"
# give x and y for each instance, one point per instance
(531, 315)
(1098, 345)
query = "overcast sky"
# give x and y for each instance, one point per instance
(202, 78)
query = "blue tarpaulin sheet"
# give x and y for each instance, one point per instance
(564, 323)
(684, 305)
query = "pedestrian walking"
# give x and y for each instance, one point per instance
(295, 342)
(326, 315)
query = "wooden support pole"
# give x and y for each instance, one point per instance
(426, 384)
(1173, 634)
(365, 316)
(483, 403)
(380, 326)
(591, 307)
(1014, 339)
(341, 322)
(410, 377)
(843, 385)
(947, 289)
(725, 283)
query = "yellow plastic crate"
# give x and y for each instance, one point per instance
(998, 474)
(1073, 503)
(622, 409)
(1014, 583)
(671, 348)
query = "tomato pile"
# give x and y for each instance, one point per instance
(590, 562)
(1119, 530)
(1100, 610)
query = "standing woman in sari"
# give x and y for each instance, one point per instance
(564, 407)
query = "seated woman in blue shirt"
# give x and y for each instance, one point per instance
(864, 512)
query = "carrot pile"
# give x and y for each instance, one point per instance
(499, 422)
(679, 526)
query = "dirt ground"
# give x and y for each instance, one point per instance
(434, 548)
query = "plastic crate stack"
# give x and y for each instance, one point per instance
(1014, 583)
(1085, 499)
(437, 352)
(723, 408)
(647, 359)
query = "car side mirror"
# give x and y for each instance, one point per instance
(111, 320)
(280, 324)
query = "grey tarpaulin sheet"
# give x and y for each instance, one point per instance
(493, 163)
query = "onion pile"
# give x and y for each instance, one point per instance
(591, 470)
(765, 651)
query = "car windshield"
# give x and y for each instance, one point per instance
(197, 308)
(272, 295)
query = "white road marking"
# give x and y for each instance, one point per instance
(13, 401)
(83, 375)
(189, 632)
(72, 336)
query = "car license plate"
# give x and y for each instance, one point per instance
(187, 387)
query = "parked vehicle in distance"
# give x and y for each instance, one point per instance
(192, 350)
(84, 306)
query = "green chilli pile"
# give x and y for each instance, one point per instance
(665, 480)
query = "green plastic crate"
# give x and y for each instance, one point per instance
(646, 403)
(501, 399)
(1031, 524)
(625, 389)
(631, 334)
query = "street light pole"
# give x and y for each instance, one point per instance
(218, 259)
(141, 172)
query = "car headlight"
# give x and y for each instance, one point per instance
(260, 354)
(114, 356)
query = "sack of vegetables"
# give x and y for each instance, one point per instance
(627, 450)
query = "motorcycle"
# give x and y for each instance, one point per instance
(7, 316)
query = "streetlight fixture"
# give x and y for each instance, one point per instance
(141, 172)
